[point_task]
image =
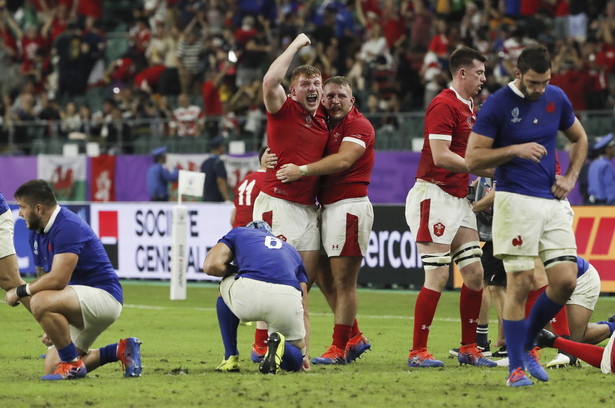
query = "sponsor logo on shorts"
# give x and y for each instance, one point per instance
(282, 237)
(438, 229)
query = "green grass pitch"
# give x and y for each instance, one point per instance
(182, 346)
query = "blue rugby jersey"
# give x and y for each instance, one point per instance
(262, 256)
(70, 234)
(508, 118)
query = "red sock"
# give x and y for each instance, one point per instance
(531, 299)
(560, 323)
(424, 310)
(355, 328)
(587, 352)
(341, 334)
(469, 309)
(260, 337)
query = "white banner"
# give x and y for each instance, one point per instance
(137, 236)
(191, 183)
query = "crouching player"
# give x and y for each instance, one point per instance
(263, 280)
(77, 295)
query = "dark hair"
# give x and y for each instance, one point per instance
(36, 191)
(535, 57)
(464, 57)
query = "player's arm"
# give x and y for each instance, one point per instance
(274, 95)
(349, 152)
(445, 158)
(306, 322)
(217, 261)
(480, 155)
(563, 185)
(57, 278)
(484, 203)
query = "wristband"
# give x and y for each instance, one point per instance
(21, 291)
(303, 170)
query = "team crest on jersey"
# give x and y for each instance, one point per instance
(471, 120)
(336, 136)
(35, 248)
(308, 119)
(515, 115)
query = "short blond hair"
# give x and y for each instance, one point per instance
(308, 71)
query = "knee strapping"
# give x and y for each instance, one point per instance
(434, 261)
(468, 253)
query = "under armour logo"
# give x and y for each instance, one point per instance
(517, 241)
(425, 327)
(335, 246)
(472, 321)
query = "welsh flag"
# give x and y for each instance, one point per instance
(103, 178)
(67, 175)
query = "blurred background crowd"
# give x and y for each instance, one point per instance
(131, 75)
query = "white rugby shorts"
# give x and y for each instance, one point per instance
(7, 247)
(278, 305)
(99, 310)
(295, 223)
(434, 215)
(346, 226)
(526, 226)
(587, 291)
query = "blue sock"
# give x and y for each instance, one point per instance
(543, 311)
(228, 323)
(108, 354)
(68, 353)
(611, 326)
(292, 359)
(514, 331)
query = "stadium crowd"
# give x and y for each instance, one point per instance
(194, 68)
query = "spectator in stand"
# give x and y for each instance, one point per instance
(213, 90)
(189, 50)
(94, 36)
(72, 52)
(169, 78)
(71, 120)
(188, 120)
(148, 78)
(30, 40)
(439, 43)
(512, 48)
(50, 112)
(255, 55)
(9, 70)
(567, 73)
(139, 37)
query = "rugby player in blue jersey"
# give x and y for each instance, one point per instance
(263, 280)
(77, 294)
(516, 132)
